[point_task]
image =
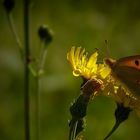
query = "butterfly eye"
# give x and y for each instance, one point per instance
(137, 62)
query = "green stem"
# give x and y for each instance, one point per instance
(19, 44)
(40, 68)
(42, 58)
(13, 29)
(27, 61)
(37, 93)
(113, 130)
(74, 131)
(37, 130)
(73, 128)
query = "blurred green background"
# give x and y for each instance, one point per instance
(85, 23)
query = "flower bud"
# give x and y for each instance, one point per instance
(122, 113)
(9, 5)
(45, 34)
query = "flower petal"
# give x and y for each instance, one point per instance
(77, 55)
(92, 60)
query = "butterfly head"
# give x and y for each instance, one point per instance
(110, 62)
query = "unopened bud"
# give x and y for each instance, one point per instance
(9, 5)
(45, 34)
(122, 113)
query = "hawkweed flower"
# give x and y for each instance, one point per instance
(94, 78)
(87, 67)
(98, 77)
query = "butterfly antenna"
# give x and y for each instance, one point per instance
(97, 50)
(107, 49)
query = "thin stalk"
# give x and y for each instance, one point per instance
(73, 129)
(42, 58)
(37, 93)
(26, 80)
(37, 130)
(14, 31)
(113, 130)
(40, 69)
(18, 41)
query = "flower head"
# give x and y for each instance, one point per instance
(89, 69)
(85, 66)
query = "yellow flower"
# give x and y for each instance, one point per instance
(101, 76)
(85, 66)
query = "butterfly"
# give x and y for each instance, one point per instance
(127, 71)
